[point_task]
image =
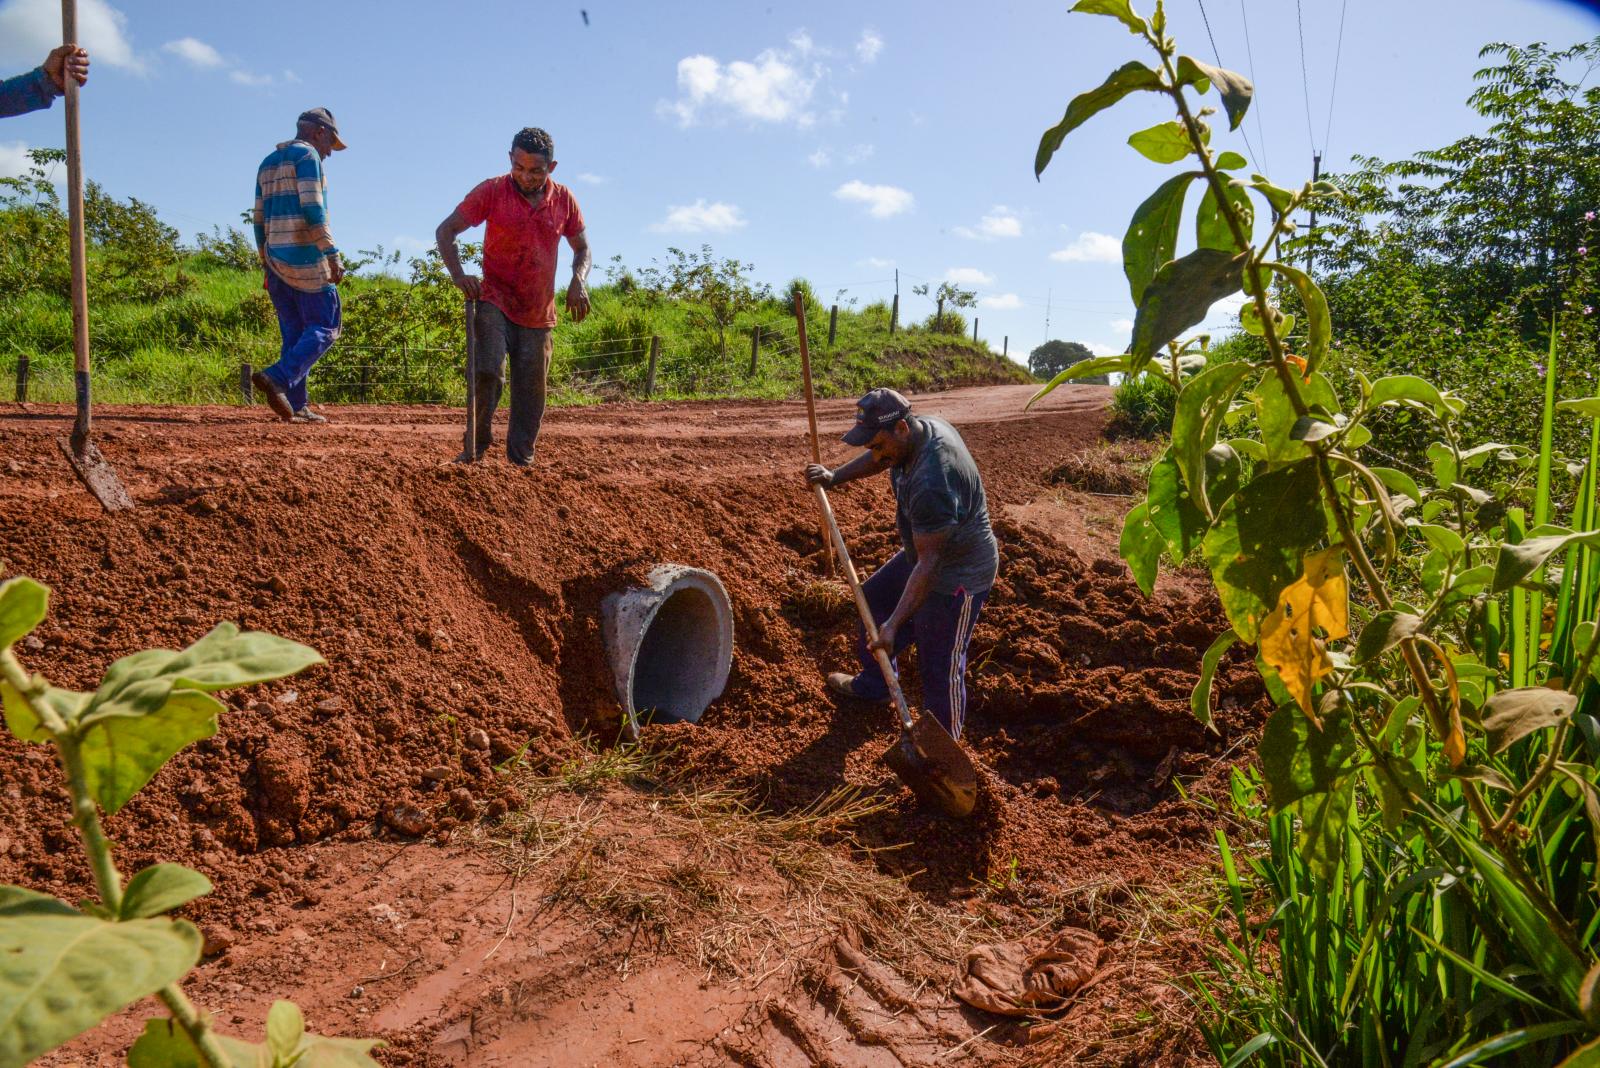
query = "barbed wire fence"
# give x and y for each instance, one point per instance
(218, 369)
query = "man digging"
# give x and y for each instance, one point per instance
(932, 590)
(528, 214)
(302, 263)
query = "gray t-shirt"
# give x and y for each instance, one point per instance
(939, 488)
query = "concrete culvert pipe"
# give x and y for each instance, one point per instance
(670, 643)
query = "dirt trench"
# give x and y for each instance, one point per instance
(458, 612)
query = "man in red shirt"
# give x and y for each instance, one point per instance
(528, 214)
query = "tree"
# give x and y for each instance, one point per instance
(713, 291)
(950, 294)
(1053, 357)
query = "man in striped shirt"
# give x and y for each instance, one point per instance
(302, 264)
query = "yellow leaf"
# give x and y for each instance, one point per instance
(1319, 600)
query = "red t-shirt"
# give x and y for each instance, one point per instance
(519, 248)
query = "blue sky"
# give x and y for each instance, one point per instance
(834, 141)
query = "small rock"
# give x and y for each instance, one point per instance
(288, 697)
(14, 467)
(205, 505)
(477, 739)
(329, 705)
(277, 585)
(461, 800)
(356, 992)
(406, 819)
(33, 643)
(437, 773)
(218, 940)
(180, 570)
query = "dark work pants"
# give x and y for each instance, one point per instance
(499, 342)
(309, 324)
(942, 628)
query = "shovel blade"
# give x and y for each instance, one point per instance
(936, 768)
(97, 476)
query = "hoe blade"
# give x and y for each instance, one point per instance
(936, 768)
(96, 475)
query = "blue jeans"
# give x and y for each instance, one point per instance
(942, 628)
(309, 323)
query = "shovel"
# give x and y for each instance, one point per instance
(90, 467)
(925, 757)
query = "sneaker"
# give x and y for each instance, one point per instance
(274, 396)
(843, 685)
(306, 415)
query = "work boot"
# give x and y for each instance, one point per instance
(306, 415)
(275, 397)
(843, 685)
(465, 457)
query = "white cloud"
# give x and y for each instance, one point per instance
(254, 81)
(1121, 326)
(291, 78)
(1090, 247)
(1001, 302)
(802, 43)
(868, 47)
(194, 51)
(14, 160)
(774, 88)
(882, 201)
(700, 217)
(859, 153)
(1000, 222)
(590, 178)
(875, 261)
(967, 276)
(31, 28)
(820, 158)
(1105, 350)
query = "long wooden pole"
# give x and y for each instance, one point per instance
(811, 416)
(80, 278)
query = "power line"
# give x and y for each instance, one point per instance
(1338, 50)
(1261, 132)
(1216, 53)
(1305, 76)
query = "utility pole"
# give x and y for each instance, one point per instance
(1050, 293)
(1316, 173)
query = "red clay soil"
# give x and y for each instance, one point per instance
(460, 605)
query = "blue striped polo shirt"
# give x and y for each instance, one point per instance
(291, 217)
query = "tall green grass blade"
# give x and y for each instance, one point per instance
(1250, 1049)
(1511, 1040)
(1541, 496)
(1517, 635)
(1486, 977)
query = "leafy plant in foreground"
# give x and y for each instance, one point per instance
(64, 969)
(1430, 875)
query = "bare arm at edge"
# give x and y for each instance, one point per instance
(445, 238)
(578, 289)
(863, 466)
(929, 548)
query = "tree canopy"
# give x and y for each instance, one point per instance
(1053, 357)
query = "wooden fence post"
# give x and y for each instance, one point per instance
(894, 314)
(755, 348)
(974, 329)
(22, 380)
(246, 388)
(1005, 347)
(655, 354)
(833, 324)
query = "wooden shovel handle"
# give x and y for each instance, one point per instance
(884, 663)
(811, 410)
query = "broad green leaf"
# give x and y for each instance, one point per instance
(1200, 699)
(286, 1028)
(1309, 429)
(1179, 297)
(161, 888)
(1278, 198)
(1319, 328)
(1582, 635)
(223, 659)
(1511, 715)
(1211, 225)
(1129, 78)
(122, 752)
(23, 604)
(1275, 415)
(1173, 510)
(1324, 820)
(1152, 237)
(1444, 539)
(1393, 389)
(1198, 415)
(1165, 142)
(62, 973)
(1121, 10)
(1261, 535)
(1517, 562)
(1235, 89)
(1383, 632)
(165, 1045)
(1585, 1056)
(1248, 447)
(1230, 161)
(25, 724)
(1443, 462)
(1141, 547)
(1586, 406)
(1473, 578)
(1398, 482)
(1298, 760)
(16, 901)
(1082, 369)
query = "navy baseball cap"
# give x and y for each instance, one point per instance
(878, 410)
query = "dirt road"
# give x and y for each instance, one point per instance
(338, 812)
